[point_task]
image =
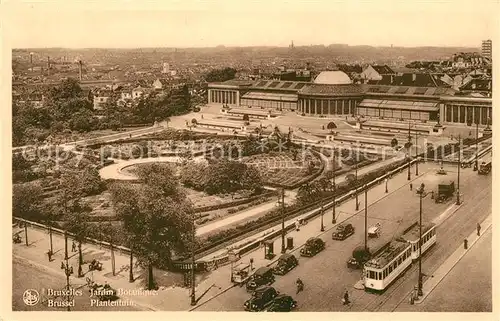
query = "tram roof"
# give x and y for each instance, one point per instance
(387, 254)
(412, 233)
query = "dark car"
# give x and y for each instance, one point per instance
(313, 246)
(360, 256)
(282, 303)
(343, 232)
(263, 276)
(261, 298)
(286, 262)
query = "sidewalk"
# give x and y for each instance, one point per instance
(452, 260)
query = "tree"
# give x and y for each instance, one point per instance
(157, 216)
(27, 200)
(219, 75)
(77, 222)
(394, 142)
(331, 125)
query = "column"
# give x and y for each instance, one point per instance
(329, 107)
(238, 98)
(343, 106)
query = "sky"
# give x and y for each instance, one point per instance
(208, 23)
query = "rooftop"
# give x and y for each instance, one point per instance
(387, 254)
(333, 78)
(413, 232)
(337, 90)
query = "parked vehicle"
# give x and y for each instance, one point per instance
(262, 276)
(343, 232)
(313, 246)
(484, 168)
(286, 262)
(445, 191)
(261, 298)
(360, 256)
(282, 303)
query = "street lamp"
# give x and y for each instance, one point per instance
(322, 212)
(334, 220)
(193, 280)
(416, 152)
(386, 190)
(281, 200)
(356, 180)
(68, 269)
(422, 195)
(458, 175)
(476, 165)
(366, 218)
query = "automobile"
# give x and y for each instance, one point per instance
(313, 246)
(262, 276)
(261, 298)
(343, 231)
(282, 303)
(286, 262)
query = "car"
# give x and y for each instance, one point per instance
(313, 246)
(343, 231)
(262, 276)
(360, 255)
(286, 262)
(261, 298)
(282, 303)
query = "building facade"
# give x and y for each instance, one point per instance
(400, 103)
(486, 48)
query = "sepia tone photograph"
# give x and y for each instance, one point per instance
(250, 157)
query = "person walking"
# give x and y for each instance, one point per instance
(411, 186)
(73, 247)
(478, 228)
(345, 300)
(297, 225)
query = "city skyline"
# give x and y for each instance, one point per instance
(222, 23)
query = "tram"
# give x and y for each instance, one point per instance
(411, 235)
(396, 256)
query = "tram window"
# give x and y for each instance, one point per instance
(372, 275)
(380, 276)
(390, 268)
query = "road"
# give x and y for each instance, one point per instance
(326, 276)
(27, 276)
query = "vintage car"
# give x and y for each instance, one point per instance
(360, 255)
(343, 231)
(313, 246)
(263, 276)
(261, 297)
(286, 262)
(282, 303)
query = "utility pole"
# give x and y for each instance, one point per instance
(50, 237)
(366, 218)
(68, 270)
(420, 292)
(356, 180)
(416, 152)
(458, 176)
(334, 220)
(26, 232)
(282, 201)
(193, 262)
(476, 166)
(409, 154)
(322, 212)
(130, 272)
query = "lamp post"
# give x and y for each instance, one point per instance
(366, 218)
(26, 232)
(68, 270)
(386, 190)
(408, 153)
(420, 292)
(356, 180)
(476, 165)
(322, 212)
(281, 200)
(458, 175)
(416, 152)
(334, 220)
(193, 262)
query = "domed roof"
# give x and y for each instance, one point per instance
(333, 78)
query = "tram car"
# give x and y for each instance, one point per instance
(388, 263)
(411, 235)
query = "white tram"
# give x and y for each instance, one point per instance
(395, 257)
(390, 261)
(412, 233)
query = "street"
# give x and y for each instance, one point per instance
(326, 276)
(42, 280)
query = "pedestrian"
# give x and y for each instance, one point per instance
(411, 186)
(432, 195)
(478, 227)
(73, 247)
(297, 225)
(346, 301)
(49, 254)
(466, 244)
